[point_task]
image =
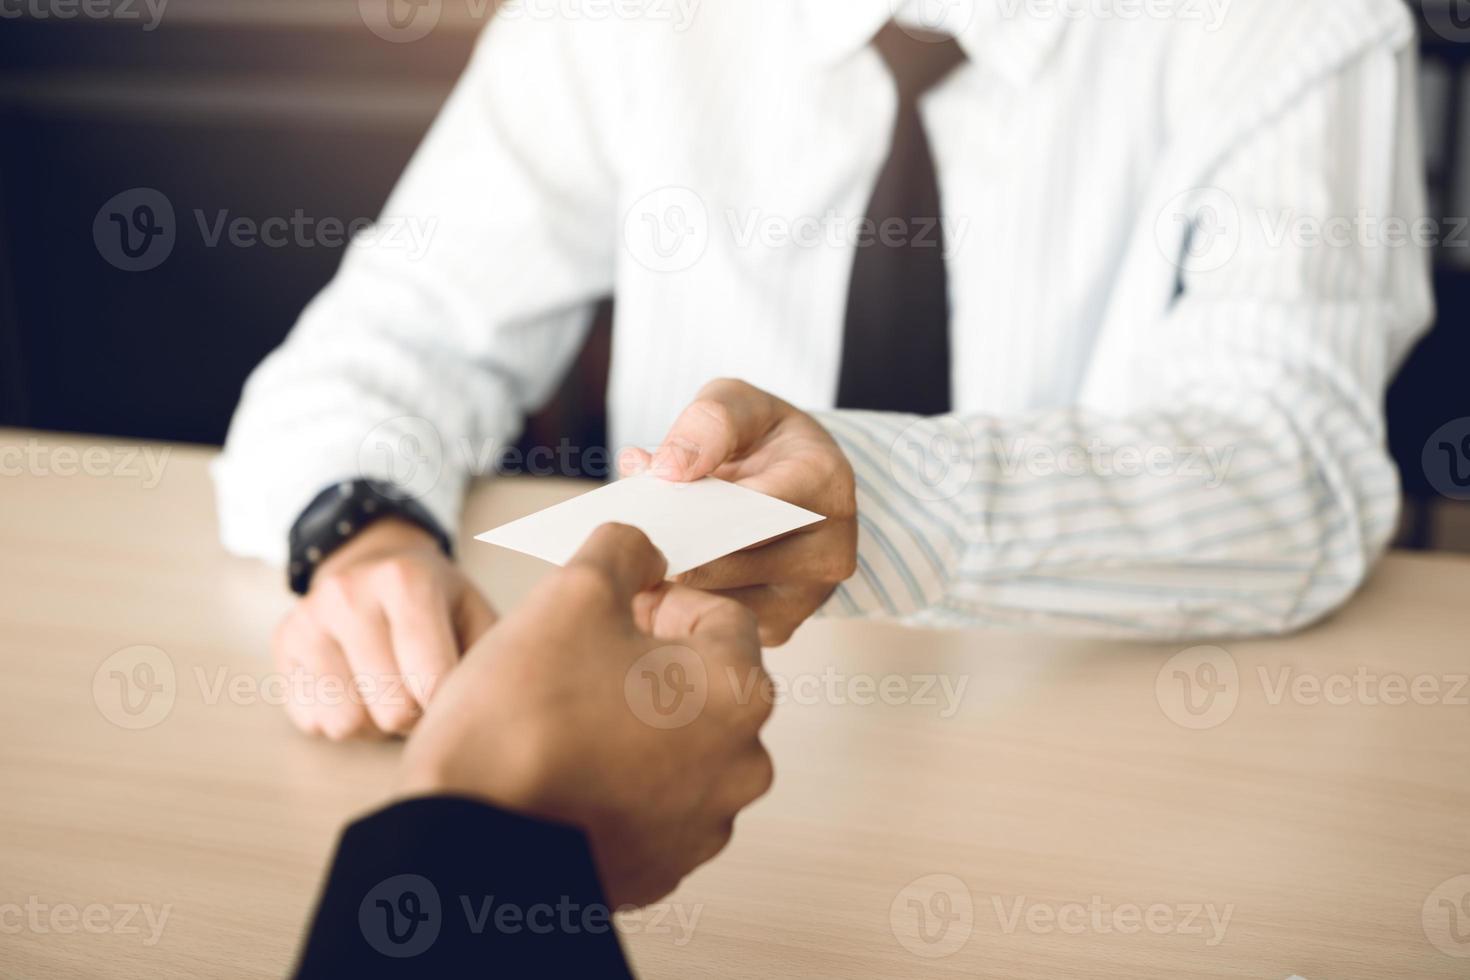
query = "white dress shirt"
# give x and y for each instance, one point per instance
(1155, 432)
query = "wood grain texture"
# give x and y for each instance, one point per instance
(1053, 795)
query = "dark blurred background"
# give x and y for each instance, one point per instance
(265, 108)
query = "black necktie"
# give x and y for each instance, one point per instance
(895, 354)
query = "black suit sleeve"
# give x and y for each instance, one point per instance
(446, 887)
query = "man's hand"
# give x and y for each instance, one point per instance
(739, 433)
(387, 616)
(612, 702)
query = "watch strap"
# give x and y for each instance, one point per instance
(340, 513)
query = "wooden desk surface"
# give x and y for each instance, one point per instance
(1054, 817)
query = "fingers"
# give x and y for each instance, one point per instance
(390, 628)
(327, 706)
(826, 555)
(688, 615)
(645, 607)
(625, 560)
(713, 842)
(779, 609)
(422, 633)
(633, 460)
(723, 632)
(748, 778)
(725, 420)
(361, 629)
(473, 617)
(681, 613)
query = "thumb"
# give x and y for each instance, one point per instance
(473, 617)
(626, 557)
(723, 423)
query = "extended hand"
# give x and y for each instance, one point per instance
(739, 433)
(615, 703)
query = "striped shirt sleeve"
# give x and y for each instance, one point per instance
(1239, 484)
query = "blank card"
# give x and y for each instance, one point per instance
(691, 523)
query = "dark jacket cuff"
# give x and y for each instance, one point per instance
(451, 887)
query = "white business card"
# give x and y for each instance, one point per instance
(691, 523)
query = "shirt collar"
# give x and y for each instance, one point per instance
(1008, 36)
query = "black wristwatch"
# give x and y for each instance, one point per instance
(339, 513)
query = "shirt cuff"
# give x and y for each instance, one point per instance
(259, 500)
(905, 552)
